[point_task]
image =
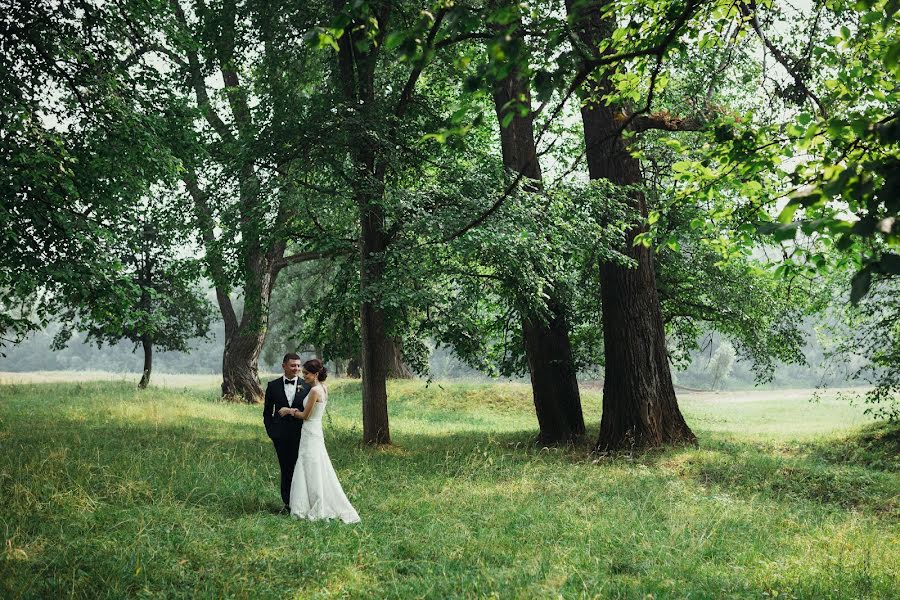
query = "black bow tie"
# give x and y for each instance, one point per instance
(290, 382)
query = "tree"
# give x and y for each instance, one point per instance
(545, 334)
(256, 214)
(71, 130)
(815, 159)
(154, 299)
(639, 404)
(241, 148)
(721, 363)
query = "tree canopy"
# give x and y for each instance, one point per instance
(608, 179)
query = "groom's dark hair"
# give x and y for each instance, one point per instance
(290, 356)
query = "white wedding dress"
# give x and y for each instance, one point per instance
(316, 492)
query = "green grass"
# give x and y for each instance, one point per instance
(108, 492)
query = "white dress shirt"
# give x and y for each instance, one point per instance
(290, 390)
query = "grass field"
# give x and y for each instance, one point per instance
(107, 492)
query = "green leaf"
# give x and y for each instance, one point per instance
(782, 233)
(892, 58)
(394, 39)
(787, 213)
(643, 239)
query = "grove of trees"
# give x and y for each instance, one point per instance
(540, 188)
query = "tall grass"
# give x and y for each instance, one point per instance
(110, 492)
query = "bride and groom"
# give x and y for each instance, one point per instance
(292, 414)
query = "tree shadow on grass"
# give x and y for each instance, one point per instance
(215, 476)
(241, 476)
(852, 473)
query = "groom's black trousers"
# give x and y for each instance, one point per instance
(286, 448)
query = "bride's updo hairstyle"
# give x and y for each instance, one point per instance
(314, 365)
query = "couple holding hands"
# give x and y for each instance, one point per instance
(292, 414)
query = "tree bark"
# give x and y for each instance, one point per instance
(554, 383)
(396, 368)
(244, 340)
(640, 409)
(240, 370)
(353, 368)
(147, 344)
(356, 80)
(373, 332)
(554, 380)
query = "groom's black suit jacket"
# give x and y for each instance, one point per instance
(277, 426)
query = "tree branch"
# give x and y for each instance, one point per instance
(197, 81)
(406, 94)
(214, 257)
(302, 257)
(750, 14)
(665, 121)
(472, 35)
(237, 97)
(587, 69)
(143, 46)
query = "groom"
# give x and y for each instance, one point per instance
(282, 396)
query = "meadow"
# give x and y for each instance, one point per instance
(108, 492)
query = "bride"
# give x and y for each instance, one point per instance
(316, 492)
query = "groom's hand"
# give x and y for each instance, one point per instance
(285, 411)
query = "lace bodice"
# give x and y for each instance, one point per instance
(319, 409)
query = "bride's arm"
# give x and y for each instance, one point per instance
(311, 400)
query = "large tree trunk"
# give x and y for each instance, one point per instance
(554, 382)
(639, 405)
(374, 338)
(244, 340)
(356, 80)
(240, 370)
(147, 345)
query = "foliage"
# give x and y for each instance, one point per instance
(316, 309)
(870, 334)
(536, 240)
(812, 165)
(156, 298)
(820, 150)
(240, 107)
(71, 134)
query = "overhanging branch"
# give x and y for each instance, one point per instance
(750, 13)
(302, 257)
